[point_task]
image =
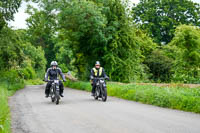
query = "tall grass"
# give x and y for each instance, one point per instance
(36, 81)
(177, 97)
(4, 111)
(5, 91)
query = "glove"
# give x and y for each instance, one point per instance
(107, 78)
(91, 77)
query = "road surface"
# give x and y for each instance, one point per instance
(78, 112)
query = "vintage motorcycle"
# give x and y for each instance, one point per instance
(100, 91)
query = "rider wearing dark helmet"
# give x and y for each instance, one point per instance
(53, 73)
(97, 72)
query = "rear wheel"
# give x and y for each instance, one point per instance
(104, 94)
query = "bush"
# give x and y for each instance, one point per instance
(186, 66)
(177, 97)
(160, 66)
(27, 73)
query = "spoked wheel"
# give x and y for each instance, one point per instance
(52, 98)
(57, 97)
(57, 101)
(96, 96)
(104, 94)
(52, 95)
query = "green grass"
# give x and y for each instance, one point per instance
(34, 82)
(176, 97)
(4, 111)
(7, 90)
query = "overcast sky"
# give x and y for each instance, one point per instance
(20, 17)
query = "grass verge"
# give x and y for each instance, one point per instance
(176, 97)
(34, 82)
(7, 90)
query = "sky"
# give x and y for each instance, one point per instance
(20, 17)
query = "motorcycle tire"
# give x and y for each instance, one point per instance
(57, 96)
(104, 94)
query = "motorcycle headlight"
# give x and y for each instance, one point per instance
(56, 81)
(101, 81)
(57, 87)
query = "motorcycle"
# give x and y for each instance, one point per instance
(54, 91)
(100, 91)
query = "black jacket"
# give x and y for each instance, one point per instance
(54, 74)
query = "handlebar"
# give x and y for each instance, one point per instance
(53, 80)
(100, 78)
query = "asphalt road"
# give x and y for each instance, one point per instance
(78, 112)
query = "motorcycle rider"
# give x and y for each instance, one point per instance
(53, 73)
(97, 72)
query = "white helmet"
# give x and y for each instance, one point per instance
(97, 63)
(54, 63)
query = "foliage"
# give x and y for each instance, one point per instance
(101, 30)
(11, 54)
(187, 66)
(64, 55)
(180, 98)
(160, 17)
(41, 30)
(7, 10)
(160, 66)
(4, 112)
(34, 82)
(77, 33)
(84, 26)
(36, 55)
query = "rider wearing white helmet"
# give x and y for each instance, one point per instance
(53, 73)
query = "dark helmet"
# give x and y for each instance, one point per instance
(97, 63)
(54, 63)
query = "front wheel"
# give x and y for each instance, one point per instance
(57, 97)
(52, 98)
(57, 101)
(96, 95)
(52, 95)
(104, 94)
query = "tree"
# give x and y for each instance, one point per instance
(160, 17)
(7, 10)
(83, 24)
(64, 55)
(18, 54)
(160, 66)
(11, 54)
(42, 29)
(102, 30)
(187, 66)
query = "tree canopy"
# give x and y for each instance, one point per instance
(127, 42)
(160, 17)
